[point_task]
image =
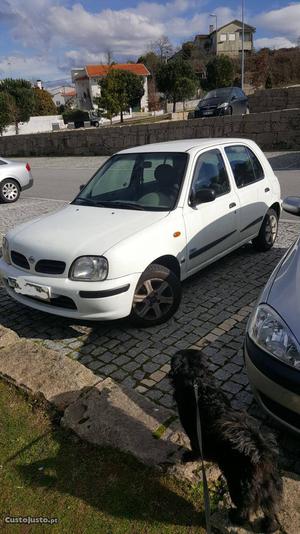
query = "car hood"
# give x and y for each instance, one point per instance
(78, 230)
(284, 293)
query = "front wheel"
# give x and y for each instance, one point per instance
(9, 190)
(157, 296)
(268, 232)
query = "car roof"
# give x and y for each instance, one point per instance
(185, 145)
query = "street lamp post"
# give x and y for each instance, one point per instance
(243, 45)
(216, 17)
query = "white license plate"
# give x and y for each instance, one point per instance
(30, 289)
(207, 112)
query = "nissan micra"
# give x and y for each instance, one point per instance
(149, 218)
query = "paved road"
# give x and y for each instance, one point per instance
(60, 178)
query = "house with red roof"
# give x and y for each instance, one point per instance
(86, 80)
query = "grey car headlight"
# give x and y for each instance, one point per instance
(224, 105)
(5, 251)
(89, 268)
(270, 333)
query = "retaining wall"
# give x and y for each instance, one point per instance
(274, 99)
(274, 130)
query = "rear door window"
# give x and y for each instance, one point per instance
(245, 166)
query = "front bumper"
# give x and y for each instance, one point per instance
(95, 301)
(216, 112)
(275, 385)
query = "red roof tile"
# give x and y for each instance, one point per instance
(102, 70)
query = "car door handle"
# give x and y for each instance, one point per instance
(232, 205)
(267, 190)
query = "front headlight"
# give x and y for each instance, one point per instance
(89, 268)
(270, 333)
(224, 105)
(5, 250)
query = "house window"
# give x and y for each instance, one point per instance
(223, 37)
(247, 36)
(231, 36)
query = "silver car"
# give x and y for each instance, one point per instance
(14, 178)
(272, 345)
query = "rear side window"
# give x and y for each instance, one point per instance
(244, 164)
(210, 173)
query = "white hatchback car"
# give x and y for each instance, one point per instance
(150, 217)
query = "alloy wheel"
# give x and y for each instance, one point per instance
(153, 299)
(10, 191)
(271, 229)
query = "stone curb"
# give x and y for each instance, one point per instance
(103, 412)
(99, 411)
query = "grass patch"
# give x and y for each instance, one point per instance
(46, 471)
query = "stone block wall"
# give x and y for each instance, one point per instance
(274, 99)
(273, 130)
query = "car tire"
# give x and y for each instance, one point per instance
(9, 190)
(96, 124)
(157, 296)
(268, 232)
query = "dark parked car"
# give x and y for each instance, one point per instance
(226, 101)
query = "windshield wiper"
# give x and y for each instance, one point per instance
(109, 204)
(121, 204)
(90, 202)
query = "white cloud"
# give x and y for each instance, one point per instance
(283, 21)
(31, 68)
(69, 31)
(273, 42)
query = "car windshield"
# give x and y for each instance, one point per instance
(141, 181)
(218, 93)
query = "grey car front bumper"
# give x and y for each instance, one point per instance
(276, 386)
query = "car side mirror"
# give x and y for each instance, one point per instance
(292, 205)
(202, 196)
(81, 187)
(233, 97)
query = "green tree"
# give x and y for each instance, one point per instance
(120, 90)
(220, 73)
(43, 103)
(177, 80)
(23, 94)
(7, 110)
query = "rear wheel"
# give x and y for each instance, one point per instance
(268, 232)
(157, 296)
(9, 190)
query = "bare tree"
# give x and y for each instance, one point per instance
(109, 56)
(162, 47)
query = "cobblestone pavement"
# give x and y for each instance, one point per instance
(215, 306)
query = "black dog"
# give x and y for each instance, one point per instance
(247, 458)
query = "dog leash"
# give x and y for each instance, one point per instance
(205, 485)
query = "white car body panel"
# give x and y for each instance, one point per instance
(131, 239)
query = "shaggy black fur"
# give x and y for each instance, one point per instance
(247, 458)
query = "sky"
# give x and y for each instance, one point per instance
(44, 39)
